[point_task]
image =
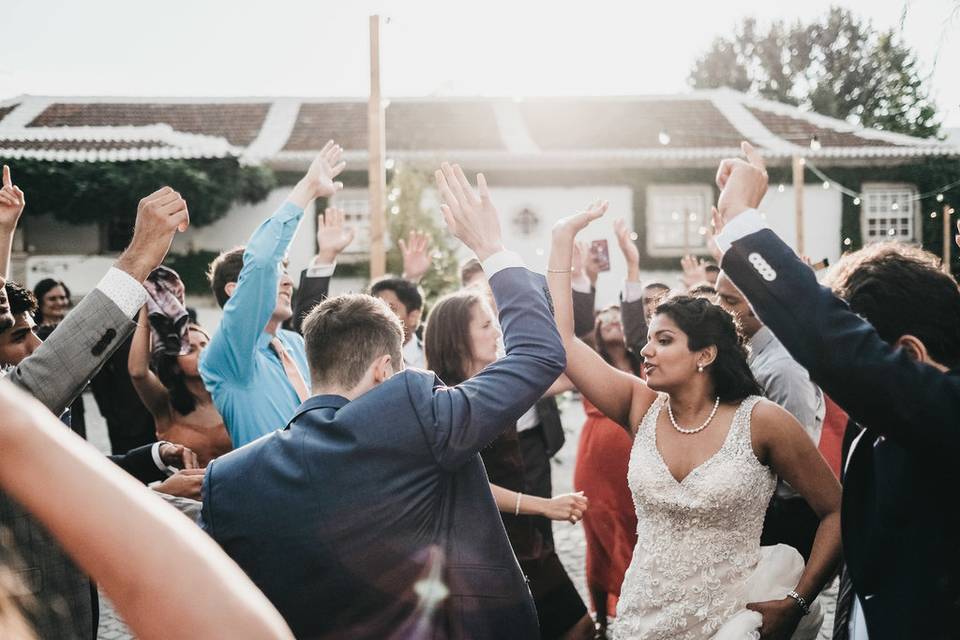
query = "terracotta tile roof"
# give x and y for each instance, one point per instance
(409, 126)
(5, 110)
(316, 123)
(801, 132)
(627, 124)
(77, 145)
(238, 123)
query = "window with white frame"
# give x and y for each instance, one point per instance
(889, 212)
(678, 216)
(356, 209)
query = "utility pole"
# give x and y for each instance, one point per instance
(376, 171)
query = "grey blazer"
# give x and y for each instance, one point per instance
(56, 597)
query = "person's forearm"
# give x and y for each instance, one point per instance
(509, 501)
(824, 558)
(6, 248)
(80, 497)
(138, 362)
(558, 281)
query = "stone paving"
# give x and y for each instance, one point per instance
(569, 538)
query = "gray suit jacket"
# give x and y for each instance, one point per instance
(56, 597)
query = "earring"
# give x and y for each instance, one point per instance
(700, 368)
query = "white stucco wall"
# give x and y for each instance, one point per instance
(821, 220)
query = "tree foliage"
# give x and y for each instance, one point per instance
(105, 192)
(406, 212)
(837, 66)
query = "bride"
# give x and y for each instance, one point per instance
(706, 455)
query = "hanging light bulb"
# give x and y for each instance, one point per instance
(633, 235)
(933, 214)
(856, 201)
(847, 242)
(815, 143)
(702, 231)
(895, 206)
(891, 232)
(939, 197)
(693, 217)
(826, 184)
(395, 210)
(663, 137)
(781, 188)
(389, 163)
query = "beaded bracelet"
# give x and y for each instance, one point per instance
(516, 509)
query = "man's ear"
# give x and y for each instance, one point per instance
(414, 317)
(229, 288)
(914, 347)
(382, 369)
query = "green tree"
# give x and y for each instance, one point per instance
(108, 192)
(405, 212)
(837, 66)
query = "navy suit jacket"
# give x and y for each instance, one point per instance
(374, 517)
(900, 518)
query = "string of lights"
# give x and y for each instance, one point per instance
(830, 182)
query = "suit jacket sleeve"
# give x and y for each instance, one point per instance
(634, 325)
(459, 421)
(880, 387)
(60, 368)
(139, 463)
(310, 293)
(583, 305)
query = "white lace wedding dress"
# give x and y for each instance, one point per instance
(698, 559)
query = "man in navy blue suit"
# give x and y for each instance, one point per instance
(370, 514)
(895, 371)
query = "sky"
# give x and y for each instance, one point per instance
(493, 48)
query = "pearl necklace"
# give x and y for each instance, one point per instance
(698, 429)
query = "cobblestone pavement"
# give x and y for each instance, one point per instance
(569, 538)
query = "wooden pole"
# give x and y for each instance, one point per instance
(376, 170)
(798, 200)
(947, 238)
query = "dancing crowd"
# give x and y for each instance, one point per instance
(378, 465)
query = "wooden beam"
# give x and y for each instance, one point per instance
(798, 165)
(376, 170)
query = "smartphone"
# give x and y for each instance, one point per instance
(600, 252)
(823, 264)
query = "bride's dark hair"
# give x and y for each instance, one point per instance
(707, 324)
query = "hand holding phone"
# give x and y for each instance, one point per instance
(600, 253)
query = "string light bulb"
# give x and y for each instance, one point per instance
(933, 214)
(826, 184)
(895, 206)
(664, 138)
(815, 143)
(856, 201)
(847, 242)
(939, 197)
(389, 164)
(781, 188)
(395, 210)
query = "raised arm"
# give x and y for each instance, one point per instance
(462, 420)
(60, 368)
(841, 350)
(246, 313)
(154, 395)
(632, 312)
(333, 236)
(125, 538)
(12, 203)
(620, 396)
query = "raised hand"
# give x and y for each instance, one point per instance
(416, 255)
(742, 184)
(12, 202)
(318, 181)
(628, 248)
(694, 271)
(159, 216)
(333, 236)
(470, 216)
(570, 226)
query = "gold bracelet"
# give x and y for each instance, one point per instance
(570, 270)
(516, 509)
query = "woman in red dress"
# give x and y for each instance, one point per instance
(610, 525)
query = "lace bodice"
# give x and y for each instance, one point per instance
(698, 539)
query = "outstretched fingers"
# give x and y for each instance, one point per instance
(7, 180)
(753, 156)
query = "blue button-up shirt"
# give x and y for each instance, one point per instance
(245, 377)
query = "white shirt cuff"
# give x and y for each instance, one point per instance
(321, 270)
(740, 227)
(581, 284)
(632, 291)
(500, 261)
(157, 460)
(123, 290)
